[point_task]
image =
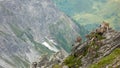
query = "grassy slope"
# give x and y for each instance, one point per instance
(107, 60)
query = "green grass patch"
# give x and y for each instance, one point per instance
(107, 60)
(72, 61)
(100, 37)
(57, 66)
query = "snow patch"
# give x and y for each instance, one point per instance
(53, 42)
(53, 48)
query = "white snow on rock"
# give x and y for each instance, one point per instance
(53, 48)
(53, 42)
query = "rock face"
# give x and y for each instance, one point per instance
(97, 46)
(30, 28)
(111, 42)
(48, 62)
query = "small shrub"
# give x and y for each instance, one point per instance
(72, 62)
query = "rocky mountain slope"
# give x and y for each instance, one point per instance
(100, 50)
(93, 51)
(30, 28)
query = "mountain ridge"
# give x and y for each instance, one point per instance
(24, 27)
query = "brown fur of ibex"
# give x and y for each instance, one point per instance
(105, 25)
(78, 39)
(100, 30)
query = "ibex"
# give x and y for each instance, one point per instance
(77, 43)
(100, 31)
(78, 39)
(105, 25)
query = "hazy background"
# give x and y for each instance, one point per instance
(91, 12)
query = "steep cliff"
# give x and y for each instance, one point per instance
(100, 50)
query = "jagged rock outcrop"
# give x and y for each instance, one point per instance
(99, 44)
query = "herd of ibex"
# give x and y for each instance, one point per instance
(103, 28)
(93, 37)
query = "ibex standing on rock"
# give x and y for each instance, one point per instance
(78, 39)
(100, 31)
(77, 43)
(103, 28)
(105, 25)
